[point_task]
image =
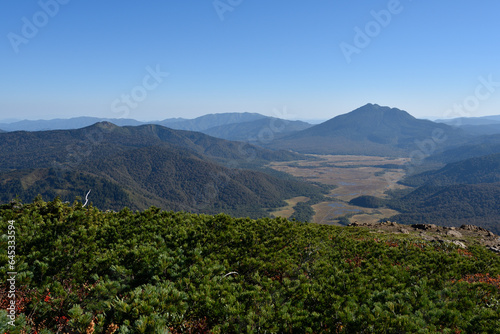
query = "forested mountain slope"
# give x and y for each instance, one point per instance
(142, 166)
(209, 121)
(371, 130)
(484, 169)
(453, 205)
(475, 147)
(464, 192)
(52, 148)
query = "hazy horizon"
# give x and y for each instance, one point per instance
(311, 121)
(64, 59)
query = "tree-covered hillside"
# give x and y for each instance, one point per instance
(475, 147)
(484, 169)
(145, 166)
(477, 204)
(463, 192)
(81, 270)
(51, 183)
(72, 148)
(165, 177)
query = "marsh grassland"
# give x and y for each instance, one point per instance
(352, 176)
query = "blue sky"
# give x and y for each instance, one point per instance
(279, 58)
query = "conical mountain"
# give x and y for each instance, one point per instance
(373, 130)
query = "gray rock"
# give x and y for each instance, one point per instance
(473, 228)
(459, 244)
(496, 249)
(426, 237)
(454, 234)
(424, 226)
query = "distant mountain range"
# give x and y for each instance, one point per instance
(143, 166)
(249, 127)
(64, 124)
(35, 149)
(478, 126)
(209, 121)
(260, 132)
(197, 124)
(461, 121)
(371, 130)
(368, 130)
(138, 165)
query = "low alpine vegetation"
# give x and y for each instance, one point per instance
(82, 270)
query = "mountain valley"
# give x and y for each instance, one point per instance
(373, 219)
(360, 166)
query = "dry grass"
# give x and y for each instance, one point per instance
(354, 176)
(372, 215)
(30, 179)
(329, 212)
(288, 210)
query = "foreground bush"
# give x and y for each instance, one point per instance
(81, 270)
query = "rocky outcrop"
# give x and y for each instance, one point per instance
(454, 234)
(461, 236)
(424, 226)
(495, 249)
(473, 228)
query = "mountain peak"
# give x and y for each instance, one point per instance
(375, 108)
(368, 130)
(105, 125)
(372, 105)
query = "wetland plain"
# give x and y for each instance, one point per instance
(352, 176)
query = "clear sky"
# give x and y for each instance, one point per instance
(292, 59)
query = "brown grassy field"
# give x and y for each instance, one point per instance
(288, 210)
(353, 176)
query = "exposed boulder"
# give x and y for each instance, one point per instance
(424, 226)
(404, 231)
(459, 243)
(454, 234)
(473, 228)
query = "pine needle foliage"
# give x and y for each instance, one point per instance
(82, 270)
